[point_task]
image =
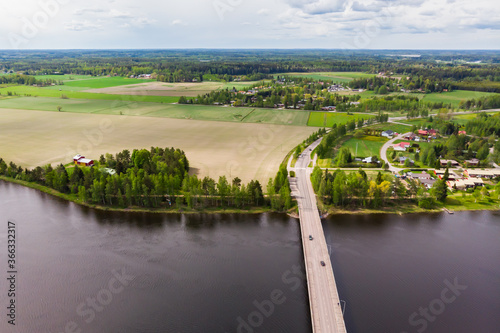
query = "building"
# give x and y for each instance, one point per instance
(410, 136)
(423, 132)
(403, 160)
(453, 163)
(462, 133)
(451, 174)
(473, 162)
(388, 134)
(464, 184)
(82, 161)
(485, 173)
(401, 146)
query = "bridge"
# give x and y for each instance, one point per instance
(326, 309)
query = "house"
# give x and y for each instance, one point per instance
(388, 134)
(410, 136)
(428, 183)
(401, 146)
(464, 184)
(423, 132)
(423, 175)
(453, 163)
(432, 132)
(472, 162)
(329, 108)
(451, 174)
(485, 173)
(403, 159)
(82, 161)
(369, 160)
(462, 133)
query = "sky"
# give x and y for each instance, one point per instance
(327, 24)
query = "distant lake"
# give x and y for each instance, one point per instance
(137, 272)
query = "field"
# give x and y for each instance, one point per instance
(454, 97)
(128, 108)
(171, 89)
(367, 145)
(390, 126)
(77, 92)
(327, 119)
(337, 76)
(31, 138)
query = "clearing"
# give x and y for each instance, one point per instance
(327, 119)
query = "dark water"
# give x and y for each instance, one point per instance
(191, 273)
(389, 268)
(202, 273)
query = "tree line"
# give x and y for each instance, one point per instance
(155, 178)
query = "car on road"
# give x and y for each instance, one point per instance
(322, 263)
(310, 237)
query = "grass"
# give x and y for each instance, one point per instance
(327, 119)
(389, 126)
(454, 97)
(249, 151)
(77, 93)
(457, 202)
(366, 145)
(128, 108)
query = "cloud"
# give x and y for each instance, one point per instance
(263, 11)
(82, 26)
(318, 7)
(117, 14)
(177, 22)
(84, 11)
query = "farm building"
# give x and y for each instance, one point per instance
(81, 160)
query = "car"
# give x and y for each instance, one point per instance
(322, 263)
(310, 237)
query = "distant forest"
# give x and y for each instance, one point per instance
(452, 69)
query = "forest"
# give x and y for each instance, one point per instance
(155, 178)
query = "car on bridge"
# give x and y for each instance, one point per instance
(310, 237)
(322, 263)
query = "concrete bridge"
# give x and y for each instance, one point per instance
(326, 310)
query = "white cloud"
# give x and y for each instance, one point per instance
(82, 26)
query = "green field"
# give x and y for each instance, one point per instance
(55, 92)
(454, 97)
(390, 126)
(336, 76)
(464, 118)
(128, 108)
(92, 82)
(327, 119)
(366, 146)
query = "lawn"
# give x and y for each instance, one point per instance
(128, 108)
(31, 138)
(366, 146)
(92, 82)
(327, 119)
(465, 118)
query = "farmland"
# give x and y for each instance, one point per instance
(188, 89)
(31, 138)
(327, 119)
(130, 108)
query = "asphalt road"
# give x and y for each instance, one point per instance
(326, 311)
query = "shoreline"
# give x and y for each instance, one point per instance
(292, 213)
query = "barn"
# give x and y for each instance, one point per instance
(81, 160)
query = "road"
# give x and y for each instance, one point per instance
(383, 152)
(326, 311)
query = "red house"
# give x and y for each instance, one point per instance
(462, 133)
(81, 160)
(423, 132)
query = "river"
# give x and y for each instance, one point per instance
(82, 270)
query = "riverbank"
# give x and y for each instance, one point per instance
(452, 204)
(135, 209)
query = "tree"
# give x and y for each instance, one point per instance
(440, 190)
